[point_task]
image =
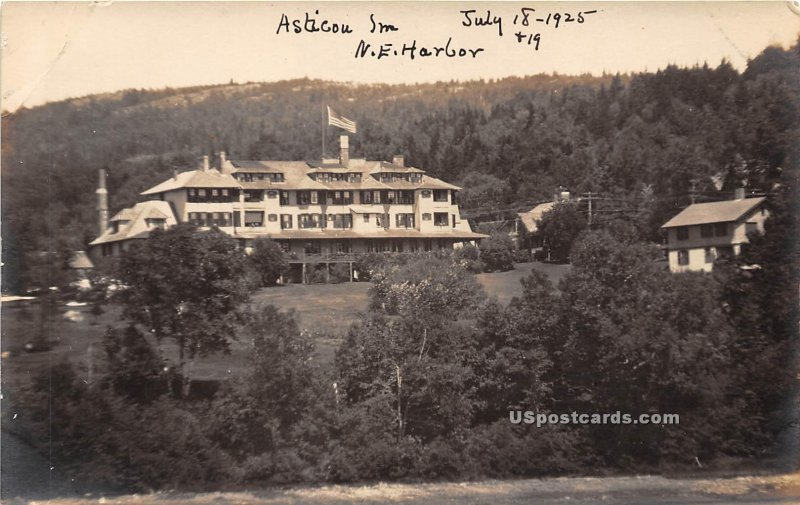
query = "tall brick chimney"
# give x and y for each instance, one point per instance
(102, 203)
(205, 165)
(344, 150)
(399, 160)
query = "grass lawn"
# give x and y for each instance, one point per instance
(325, 310)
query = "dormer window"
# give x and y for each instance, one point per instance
(116, 225)
(156, 223)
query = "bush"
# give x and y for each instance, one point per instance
(269, 261)
(369, 264)
(470, 256)
(497, 253)
(340, 272)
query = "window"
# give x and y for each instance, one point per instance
(725, 252)
(709, 255)
(341, 197)
(426, 216)
(308, 221)
(156, 223)
(212, 195)
(426, 193)
(683, 257)
(253, 195)
(390, 197)
(286, 221)
(341, 246)
(342, 221)
(314, 198)
(405, 197)
(682, 232)
(366, 218)
(253, 219)
(284, 198)
(272, 218)
(441, 219)
(440, 195)
(272, 194)
(404, 220)
(376, 197)
(706, 230)
(303, 198)
(366, 197)
(720, 229)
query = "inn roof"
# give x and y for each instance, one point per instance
(210, 178)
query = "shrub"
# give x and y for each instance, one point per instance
(470, 256)
(340, 272)
(269, 261)
(497, 252)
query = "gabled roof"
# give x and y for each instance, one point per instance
(714, 212)
(137, 227)
(385, 166)
(123, 215)
(80, 260)
(266, 166)
(529, 218)
(210, 178)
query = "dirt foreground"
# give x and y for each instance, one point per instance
(581, 490)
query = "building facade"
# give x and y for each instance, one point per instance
(326, 211)
(703, 232)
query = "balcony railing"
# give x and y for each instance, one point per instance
(325, 257)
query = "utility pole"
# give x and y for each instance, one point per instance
(692, 193)
(589, 197)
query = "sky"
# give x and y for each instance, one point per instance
(57, 50)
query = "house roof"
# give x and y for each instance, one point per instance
(714, 212)
(80, 260)
(529, 218)
(210, 178)
(136, 227)
(123, 215)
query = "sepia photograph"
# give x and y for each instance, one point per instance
(400, 252)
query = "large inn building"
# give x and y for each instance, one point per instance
(318, 212)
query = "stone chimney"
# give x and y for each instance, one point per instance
(102, 203)
(205, 165)
(175, 173)
(223, 163)
(738, 194)
(344, 150)
(399, 159)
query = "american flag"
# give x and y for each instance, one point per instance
(335, 119)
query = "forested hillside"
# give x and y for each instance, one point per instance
(637, 140)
